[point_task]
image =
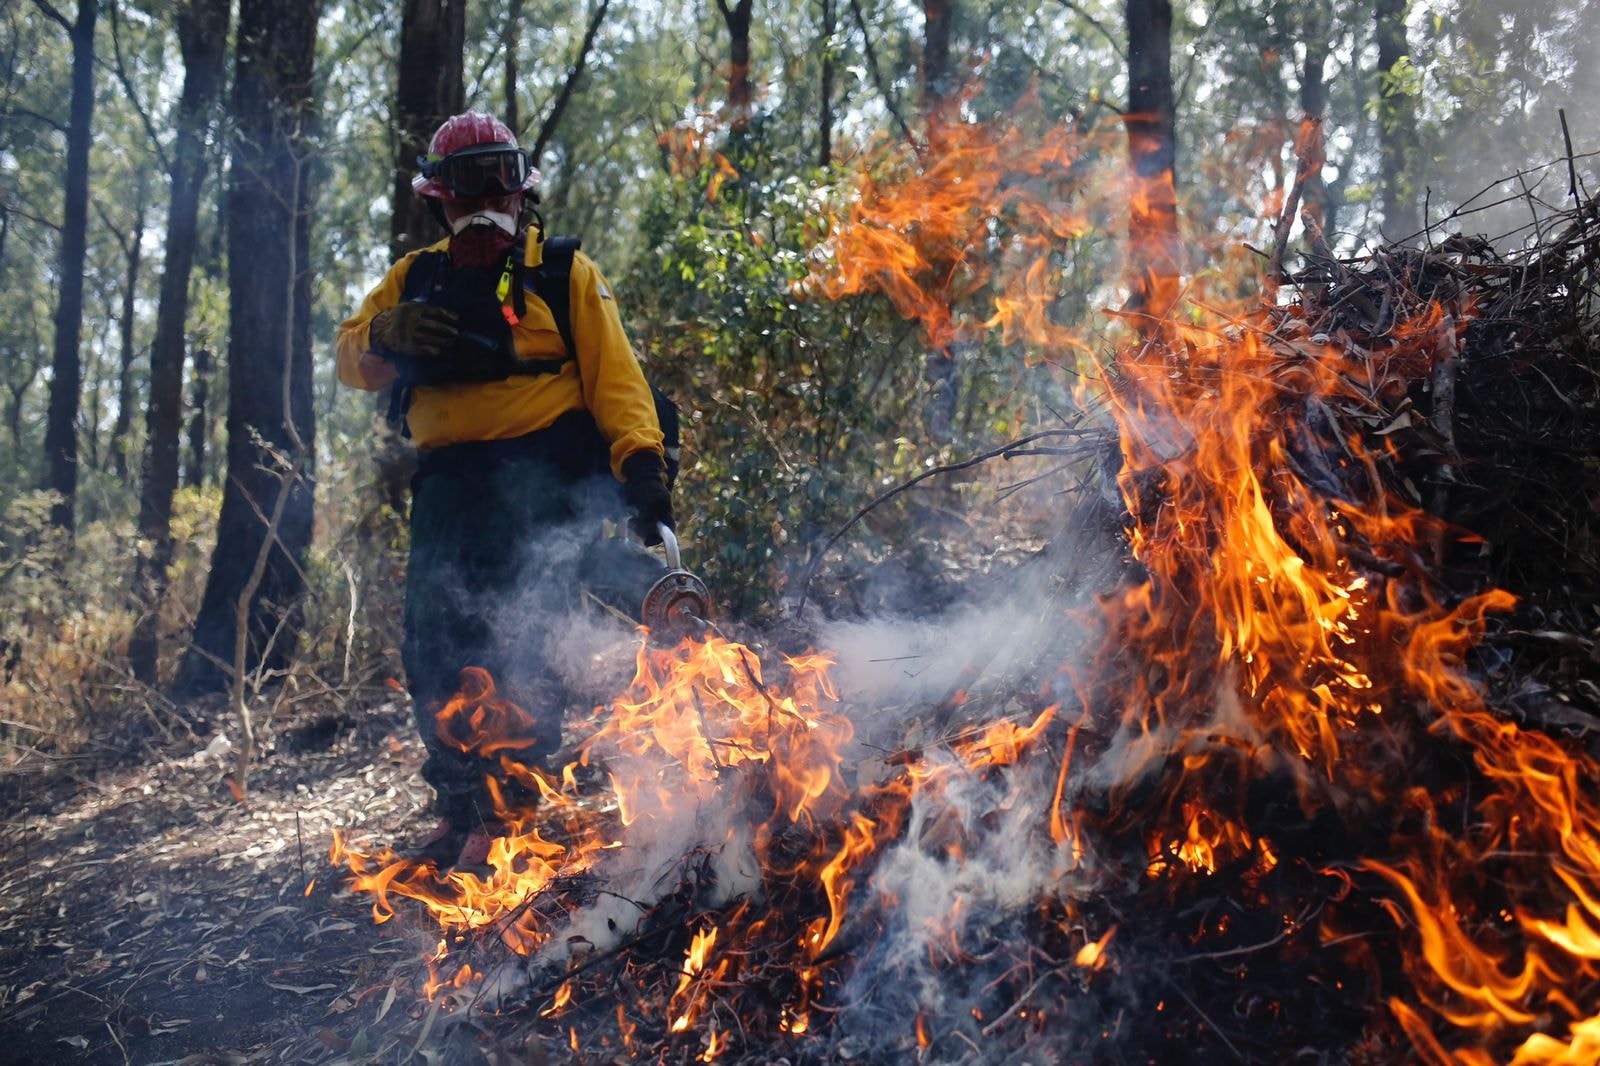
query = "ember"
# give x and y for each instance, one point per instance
(1271, 807)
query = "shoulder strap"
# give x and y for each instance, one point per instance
(422, 274)
(420, 279)
(551, 281)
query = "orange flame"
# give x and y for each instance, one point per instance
(1272, 614)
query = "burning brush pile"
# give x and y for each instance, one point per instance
(1321, 785)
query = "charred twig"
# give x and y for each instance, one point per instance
(1205, 1018)
(705, 730)
(1020, 1002)
(1444, 418)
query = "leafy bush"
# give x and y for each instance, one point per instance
(799, 409)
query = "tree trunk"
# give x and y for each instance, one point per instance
(134, 254)
(430, 90)
(511, 44)
(18, 387)
(830, 27)
(1397, 125)
(1314, 106)
(431, 87)
(740, 94)
(270, 427)
(1152, 156)
(93, 350)
(203, 40)
(61, 428)
(194, 473)
(939, 368)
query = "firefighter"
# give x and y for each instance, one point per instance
(521, 444)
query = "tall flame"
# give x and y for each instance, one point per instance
(1282, 623)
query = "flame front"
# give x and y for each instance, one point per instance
(1280, 642)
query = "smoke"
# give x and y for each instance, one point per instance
(891, 668)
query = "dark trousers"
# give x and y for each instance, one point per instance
(496, 531)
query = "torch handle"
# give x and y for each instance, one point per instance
(669, 540)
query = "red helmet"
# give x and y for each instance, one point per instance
(473, 155)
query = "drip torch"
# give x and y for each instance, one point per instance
(678, 604)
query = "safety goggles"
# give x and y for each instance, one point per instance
(485, 170)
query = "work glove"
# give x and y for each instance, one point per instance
(415, 330)
(644, 484)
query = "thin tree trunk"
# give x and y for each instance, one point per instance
(94, 348)
(270, 427)
(61, 427)
(740, 95)
(940, 368)
(830, 27)
(884, 85)
(552, 121)
(18, 387)
(203, 40)
(194, 473)
(511, 44)
(430, 89)
(1152, 156)
(1314, 105)
(134, 253)
(1397, 125)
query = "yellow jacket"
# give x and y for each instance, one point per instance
(604, 376)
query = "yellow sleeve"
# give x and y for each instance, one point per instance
(358, 366)
(614, 388)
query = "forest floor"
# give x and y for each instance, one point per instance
(147, 916)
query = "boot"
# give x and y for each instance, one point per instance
(474, 854)
(442, 846)
(463, 833)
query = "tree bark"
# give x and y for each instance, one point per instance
(1314, 106)
(830, 27)
(737, 19)
(133, 253)
(203, 39)
(510, 45)
(270, 427)
(194, 473)
(61, 427)
(940, 369)
(1397, 126)
(430, 89)
(1152, 155)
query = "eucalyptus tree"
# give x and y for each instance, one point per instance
(202, 29)
(1397, 121)
(429, 89)
(248, 618)
(61, 431)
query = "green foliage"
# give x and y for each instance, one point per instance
(792, 404)
(800, 408)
